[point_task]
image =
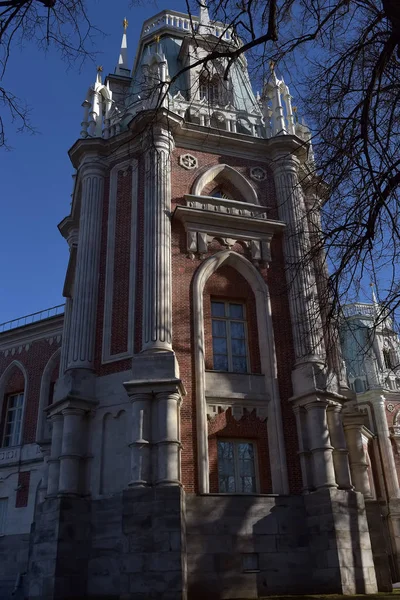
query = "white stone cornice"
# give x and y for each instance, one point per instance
(205, 218)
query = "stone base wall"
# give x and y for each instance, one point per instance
(158, 544)
(13, 562)
(380, 543)
(246, 547)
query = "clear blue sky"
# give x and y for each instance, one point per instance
(35, 176)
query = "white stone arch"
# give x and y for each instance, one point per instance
(230, 174)
(3, 384)
(268, 366)
(44, 394)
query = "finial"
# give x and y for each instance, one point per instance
(122, 67)
(272, 65)
(157, 39)
(204, 20)
(100, 68)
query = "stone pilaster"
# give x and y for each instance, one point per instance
(302, 291)
(157, 312)
(304, 451)
(388, 463)
(44, 482)
(72, 451)
(66, 336)
(340, 452)
(141, 440)
(83, 318)
(169, 445)
(353, 427)
(57, 422)
(320, 445)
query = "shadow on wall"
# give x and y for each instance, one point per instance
(248, 547)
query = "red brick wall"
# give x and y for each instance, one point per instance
(22, 495)
(34, 361)
(118, 337)
(122, 255)
(249, 428)
(183, 270)
(228, 284)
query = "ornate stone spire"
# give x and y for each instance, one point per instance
(122, 67)
(204, 20)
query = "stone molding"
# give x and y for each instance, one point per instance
(107, 357)
(268, 367)
(235, 177)
(44, 395)
(83, 319)
(205, 218)
(28, 334)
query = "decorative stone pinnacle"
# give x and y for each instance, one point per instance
(125, 23)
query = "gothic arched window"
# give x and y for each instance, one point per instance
(210, 89)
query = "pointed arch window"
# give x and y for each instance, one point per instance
(210, 89)
(13, 420)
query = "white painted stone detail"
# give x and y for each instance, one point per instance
(157, 311)
(188, 161)
(84, 310)
(258, 173)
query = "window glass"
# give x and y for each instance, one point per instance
(218, 309)
(236, 467)
(13, 421)
(229, 337)
(236, 311)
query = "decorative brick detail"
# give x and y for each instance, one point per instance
(120, 307)
(21, 499)
(249, 428)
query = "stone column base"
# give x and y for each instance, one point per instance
(59, 549)
(340, 544)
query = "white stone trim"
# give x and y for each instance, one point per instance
(236, 178)
(268, 366)
(3, 385)
(44, 394)
(106, 356)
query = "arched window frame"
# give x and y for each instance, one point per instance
(268, 366)
(3, 397)
(44, 395)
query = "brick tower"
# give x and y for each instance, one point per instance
(197, 447)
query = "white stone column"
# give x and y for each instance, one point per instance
(72, 450)
(320, 445)
(304, 452)
(157, 312)
(340, 452)
(44, 482)
(169, 445)
(84, 311)
(353, 426)
(57, 422)
(66, 336)
(388, 463)
(302, 291)
(141, 440)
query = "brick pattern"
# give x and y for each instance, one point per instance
(120, 306)
(121, 365)
(249, 428)
(22, 495)
(34, 361)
